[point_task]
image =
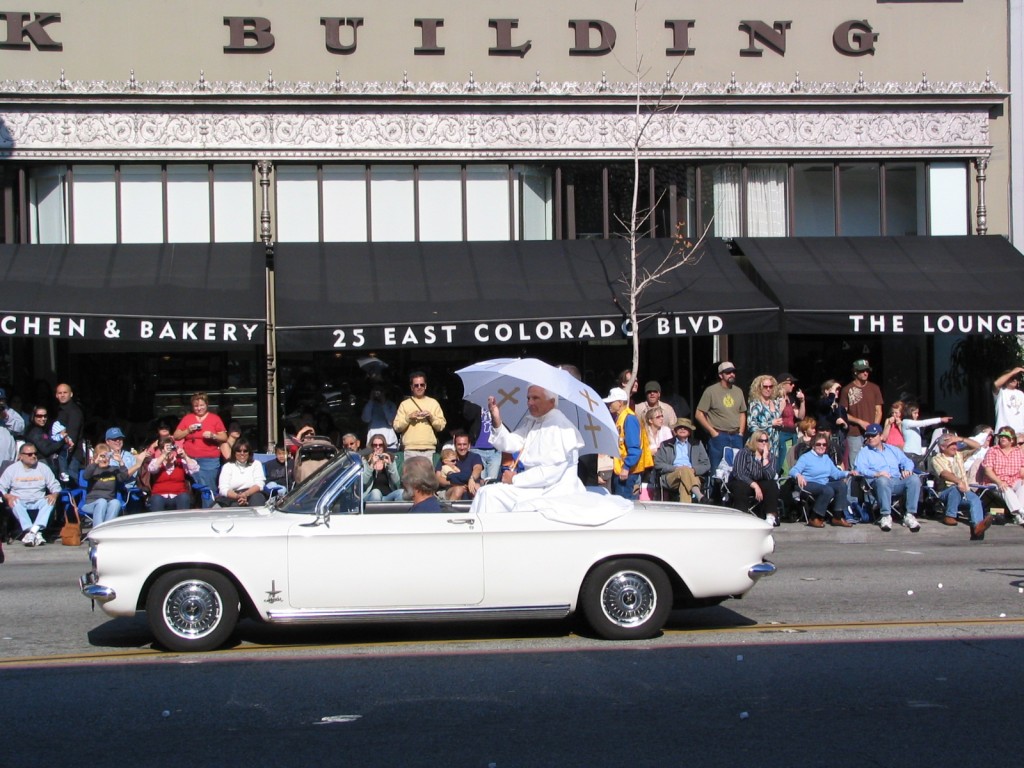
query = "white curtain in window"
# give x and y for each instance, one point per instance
(947, 199)
(726, 180)
(440, 194)
(392, 202)
(487, 202)
(142, 204)
(188, 204)
(298, 208)
(234, 207)
(766, 201)
(345, 203)
(95, 204)
(48, 209)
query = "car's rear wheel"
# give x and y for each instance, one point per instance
(192, 610)
(626, 599)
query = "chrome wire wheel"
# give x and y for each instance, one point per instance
(193, 609)
(628, 599)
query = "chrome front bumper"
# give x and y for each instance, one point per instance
(95, 591)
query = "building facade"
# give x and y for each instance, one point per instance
(417, 188)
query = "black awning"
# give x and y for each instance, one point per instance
(890, 285)
(188, 292)
(380, 295)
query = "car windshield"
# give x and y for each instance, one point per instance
(339, 478)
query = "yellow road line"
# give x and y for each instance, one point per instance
(139, 654)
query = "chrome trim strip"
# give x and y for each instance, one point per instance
(761, 570)
(421, 614)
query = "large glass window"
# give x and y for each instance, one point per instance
(766, 200)
(814, 206)
(48, 195)
(859, 200)
(440, 197)
(234, 204)
(947, 198)
(142, 204)
(392, 202)
(94, 207)
(904, 199)
(188, 204)
(344, 203)
(536, 193)
(488, 206)
(298, 206)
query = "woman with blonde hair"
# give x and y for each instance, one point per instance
(764, 410)
(754, 475)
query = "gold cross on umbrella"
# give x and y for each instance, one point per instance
(508, 397)
(592, 428)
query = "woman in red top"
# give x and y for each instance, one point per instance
(168, 477)
(202, 432)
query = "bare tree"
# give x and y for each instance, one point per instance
(646, 268)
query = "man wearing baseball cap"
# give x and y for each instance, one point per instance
(722, 412)
(889, 472)
(863, 402)
(629, 464)
(955, 487)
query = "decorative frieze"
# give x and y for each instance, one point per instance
(681, 132)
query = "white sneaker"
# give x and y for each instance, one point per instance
(1018, 518)
(771, 520)
(29, 539)
(40, 541)
(885, 523)
(911, 522)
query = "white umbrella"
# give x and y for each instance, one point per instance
(507, 379)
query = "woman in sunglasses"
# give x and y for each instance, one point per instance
(242, 479)
(753, 477)
(38, 434)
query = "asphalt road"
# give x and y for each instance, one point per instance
(866, 649)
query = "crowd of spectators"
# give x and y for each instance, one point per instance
(771, 450)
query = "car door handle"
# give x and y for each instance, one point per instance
(461, 521)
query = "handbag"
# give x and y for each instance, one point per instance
(71, 532)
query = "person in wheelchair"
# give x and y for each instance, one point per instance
(954, 487)
(889, 472)
(815, 473)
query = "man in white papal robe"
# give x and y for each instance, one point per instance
(548, 445)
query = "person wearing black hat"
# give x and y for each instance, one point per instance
(794, 408)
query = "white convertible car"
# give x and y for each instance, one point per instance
(320, 555)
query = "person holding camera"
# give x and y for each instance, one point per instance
(169, 476)
(380, 473)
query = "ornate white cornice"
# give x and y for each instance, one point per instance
(473, 134)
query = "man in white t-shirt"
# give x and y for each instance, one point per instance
(1009, 400)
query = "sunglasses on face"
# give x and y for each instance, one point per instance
(39, 415)
(28, 453)
(762, 439)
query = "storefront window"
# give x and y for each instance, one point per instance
(94, 207)
(947, 198)
(48, 192)
(344, 203)
(720, 198)
(440, 203)
(392, 203)
(766, 200)
(142, 204)
(487, 202)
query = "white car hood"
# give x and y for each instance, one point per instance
(155, 523)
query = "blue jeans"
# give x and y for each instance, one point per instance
(953, 498)
(492, 462)
(374, 495)
(887, 487)
(834, 492)
(718, 444)
(42, 509)
(209, 469)
(625, 488)
(181, 501)
(102, 510)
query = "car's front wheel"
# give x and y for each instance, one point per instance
(192, 610)
(626, 599)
